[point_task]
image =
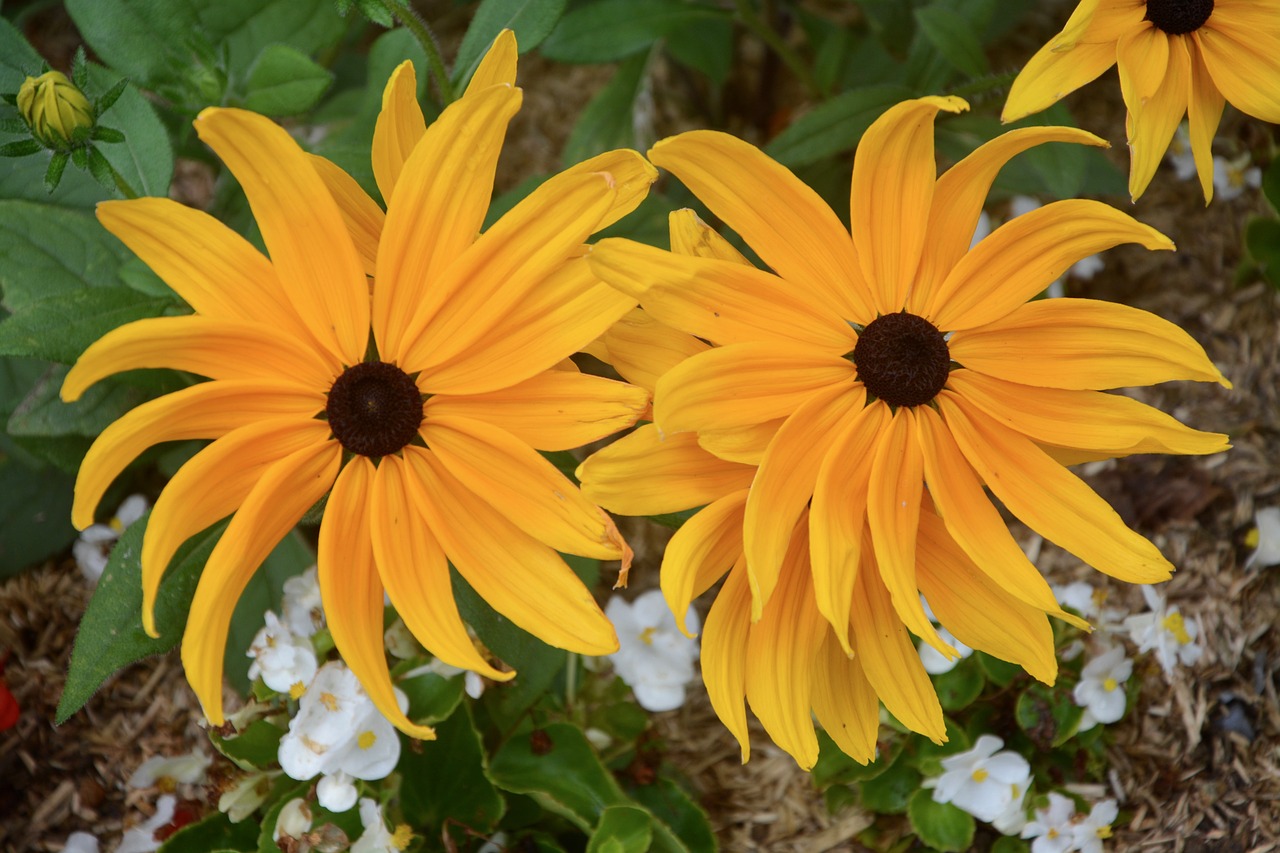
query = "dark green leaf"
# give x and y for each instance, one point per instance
(18, 59)
(246, 27)
(215, 832)
(1009, 844)
(284, 82)
(432, 697)
(20, 148)
(622, 829)
(1262, 238)
(707, 48)
(953, 36)
(445, 782)
(835, 767)
(959, 687)
(42, 413)
(999, 672)
(557, 767)
(607, 122)
(530, 20)
(890, 792)
(1048, 715)
(129, 35)
(256, 746)
(611, 30)
(680, 823)
(834, 126)
(940, 825)
(1271, 184)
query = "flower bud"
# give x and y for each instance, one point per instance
(54, 108)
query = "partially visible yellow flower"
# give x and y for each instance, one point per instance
(54, 108)
(1176, 58)
(416, 409)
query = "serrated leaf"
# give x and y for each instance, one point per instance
(611, 30)
(940, 825)
(607, 122)
(953, 36)
(464, 795)
(530, 20)
(622, 829)
(833, 127)
(285, 82)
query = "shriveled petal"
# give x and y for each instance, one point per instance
(555, 410)
(520, 577)
(206, 410)
(1241, 45)
(1083, 343)
(893, 177)
(724, 654)
(974, 608)
(363, 217)
(283, 494)
(721, 301)
(1028, 253)
(744, 384)
(412, 566)
(701, 551)
(523, 486)
(641, 349)
(445, 186)
(1050, 499)
(691, 236)
(498, 65)
(890, 659)
(632, 176)
(1153, 119)
(646, 473)
(787, 224)
(844, 702)
(352, 591)
(399, 126)
(211, 485)
(1107, 424)
(782, 654)
(958, 199)
(745, 444)
(218, 349)
(1204, 112)
(785, 482)
(310, 248)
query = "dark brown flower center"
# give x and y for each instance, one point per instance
(374, 409)
(902, 359)
(1178, 17)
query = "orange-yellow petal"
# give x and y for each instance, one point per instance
(632, 176)
(724, 654)
(1204, 112)
(691, 236)
(1241, 44)
(746, 443)
(1153, 118)
(641, 349)
(701, 552)
(845, 703)
(399, 126)
(1143, 57)
(498, 65)
(363, 217)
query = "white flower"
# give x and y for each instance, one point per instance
(168, 773)
(294, 819)
(285, 660)
(473, 684)
(1231, 177)
(653, 657)
(1094, 829)
(339, 731)
(1100, 690)
(1086, 268)
(80, 842)
(1179, 154)
(981, 230)
(376, 838)
(243, 798)
(1089, 603)
(337, 791)
(300, 603)
(1014, 817)
(935, 663)
(1264, 539)
(599, 738)
(400, 643)
(1166, 632)
(142, 839)
(983, 781)
(1053, 828)
(93, 547)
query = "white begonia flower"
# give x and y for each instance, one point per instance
(1166, 632)
(294, 820)
(1096, 827)
(1264, 539)
(337, 791)
(1086, 268)
(981, 230)
(142, 839)
(166, 773)
(242, 799)
(473, 684)
(599, 738)
(300, 604)
(653, 657)
(400, 642)
(376, 838)
(81, 842)
(497, 843)
(1053, 829)
(935, 663)
(983, 781)
(1232, 177)
(286, 661)
(1014, 817)
(338, 730)
(1100, 690)
(93, 548)
(1091, 604)
(1179, 154)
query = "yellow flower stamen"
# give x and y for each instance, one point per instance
(1174, 625)
(646, 636)
(329, 701)
(1110, 684)
(980, 775)
(1104, 831)
(402, 836)
(1252, 538)
(297, 689)
(366, 739)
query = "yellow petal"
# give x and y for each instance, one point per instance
(304, 232)
(445, 187)
(399, 127)
(1204, 111)
(523, 486)
(632, 176)
(363, 217)
(959, 196)
(1143, 57)
(1026, 254)
(283, 494)
(352, 592)
(785, 482)
(412, 566)
(1108, 424)
(498, 65)
(218, 349)
(745, 444)
(206, 410)
(721, 301)
(701, 551)
(1154, 118)
(787, 224)
(646, 473)
(845, 703)
(893, 176)
(1084, 344)
(1241, 46)
(211, 485)
(724, 655)
(555, 410)
(518, 576)
(641, 349)
(691, 236)
(1050, 499)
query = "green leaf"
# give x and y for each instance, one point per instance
(959, 687)
(285, 82)
(835, 767)
(1271, 184)
(953, 36)
(445, 780)
(18, 58)
(607, 122)
(43, 413)
(432, 697)
(1048, 715)
(62, 326)
(246, 27)
(1001, 673)
(256, 747)
(706, 48)
(530, 20)
(130, 35)
(145, 158)
(622, 829)
(1262, 239)
(834, 126)
(890, 792)
(611, 30)
(680, 823)
(215, 832)
(291, 557)
(1009, 844)
(940, 825)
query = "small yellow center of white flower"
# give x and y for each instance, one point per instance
(402, 836)
(1104, 831)
(1052, 833)
(1252, 538)
(646, 636)
(1110, 684)
(980, 775)
(366, 739)
(329, 701)
(1174, 625)
(297, 689)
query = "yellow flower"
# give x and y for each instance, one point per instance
(1176, 58)
(417, 410)
(54, 108)
(867, 368)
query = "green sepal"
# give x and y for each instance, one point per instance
(108, 99)
(107, 134)
(53, 175)
(20, 148)
(101, 169)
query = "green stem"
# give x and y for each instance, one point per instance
(570, 680)
(121, 183)
(770, 37)
(418, 27)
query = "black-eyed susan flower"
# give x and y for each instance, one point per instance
(417, 409)
(883, 379)
(1176, 58)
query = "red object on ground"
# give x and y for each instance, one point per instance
(9, 710)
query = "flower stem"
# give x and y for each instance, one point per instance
(752, 20)
(412, 21)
